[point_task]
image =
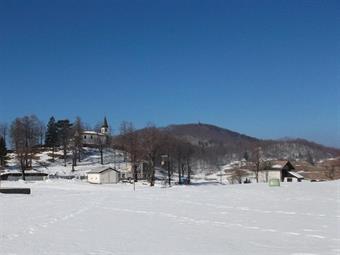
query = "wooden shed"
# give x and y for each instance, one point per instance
(103, 175)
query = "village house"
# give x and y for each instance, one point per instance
(282, 170)
(126, 170)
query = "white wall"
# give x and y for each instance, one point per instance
(93, 178)
(88, 139)
(265, 176)
(104, 177)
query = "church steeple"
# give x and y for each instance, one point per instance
(105, 127)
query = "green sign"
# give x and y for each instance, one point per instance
(274, 183)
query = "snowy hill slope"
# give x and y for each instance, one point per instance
(90, 159)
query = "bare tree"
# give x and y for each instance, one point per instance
(41, 130)
(129, 140)
(76, 141)
(77, 130)
(169, 146)
(189, 151)
(151, 143)
(257, 162)
(102, 142)
(179, 150)
(330, 172)
(103, 139)
(237, 175)
(3, 152)
(25, 136)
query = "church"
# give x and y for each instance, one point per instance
(91, 138)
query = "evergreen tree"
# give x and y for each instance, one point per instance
(51, 137)
(64, 132)
(3, 151)
(246, 155)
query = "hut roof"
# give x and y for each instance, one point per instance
(101, 170)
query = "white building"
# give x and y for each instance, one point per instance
(103, 175)
(94, 138)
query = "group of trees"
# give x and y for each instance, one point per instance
(28, 135)
(156, 148)
(3, 146)
(150, 146)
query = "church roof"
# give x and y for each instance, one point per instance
(105, 125)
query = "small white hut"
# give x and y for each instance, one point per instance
(103, 175)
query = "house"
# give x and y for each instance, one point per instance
(282, 170)
(103, 175)
(91, 138)
(126, 170)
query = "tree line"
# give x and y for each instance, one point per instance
(150, 146)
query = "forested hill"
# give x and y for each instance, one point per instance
(233, 144)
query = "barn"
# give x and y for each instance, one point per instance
(103, 175)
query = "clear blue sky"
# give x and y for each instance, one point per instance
(268, 69)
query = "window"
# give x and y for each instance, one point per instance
(84, 136)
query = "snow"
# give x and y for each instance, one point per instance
(296, 174)
(74, 217)
(90, 160)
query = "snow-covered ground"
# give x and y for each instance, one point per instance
(74, 217)
(90, 160)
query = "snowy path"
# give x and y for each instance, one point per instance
(78, 218)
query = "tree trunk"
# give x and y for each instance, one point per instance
(135, 173)
(53, 156)
(65, 152)
(152, 177)
(79, 158)
(169, 173)
(101, 156)
(23, 169)
(189, 172)
(179, 172)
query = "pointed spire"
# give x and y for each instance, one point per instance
(105, 125)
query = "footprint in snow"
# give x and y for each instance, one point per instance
(292, 233)
(317, 236)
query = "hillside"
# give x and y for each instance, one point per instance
(233, 144)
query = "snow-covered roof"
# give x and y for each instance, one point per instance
(101, 170)
(295, 174)
(90, 132)
(277, 166)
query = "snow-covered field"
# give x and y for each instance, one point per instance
(73, 217)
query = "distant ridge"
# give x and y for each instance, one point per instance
(232, 143)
